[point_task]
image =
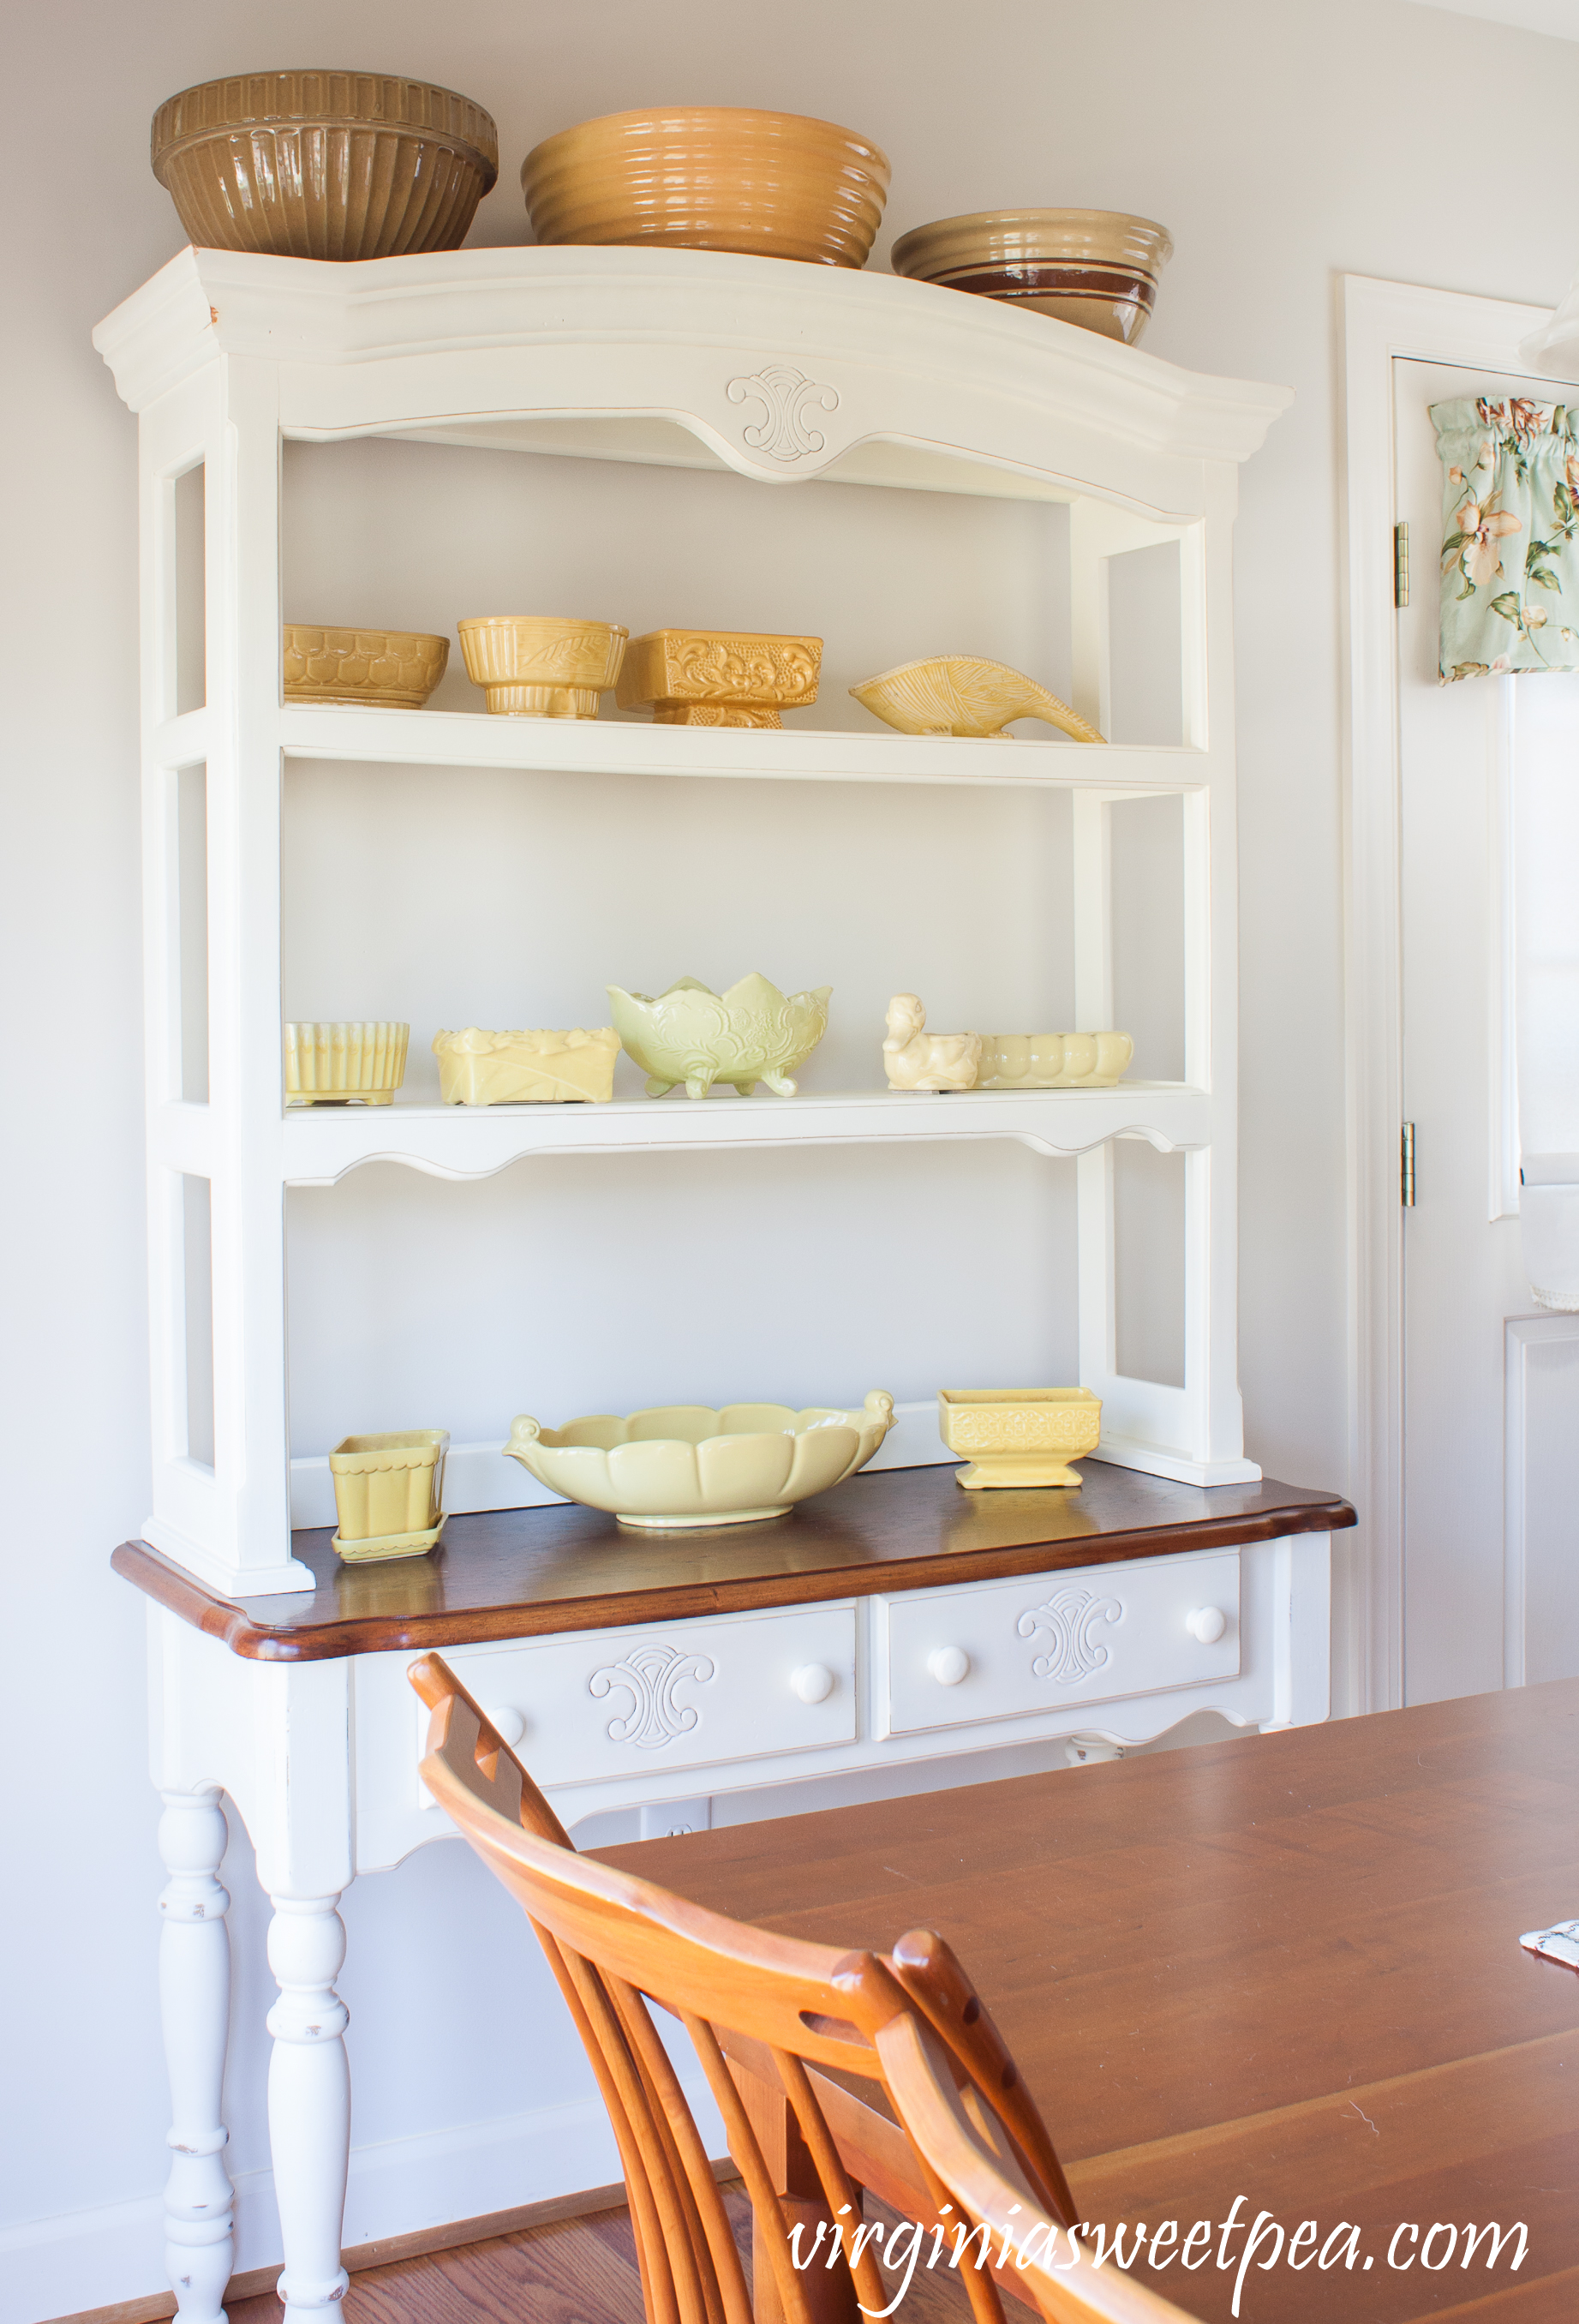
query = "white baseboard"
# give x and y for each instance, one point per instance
(479, 1476)
(93, 2259)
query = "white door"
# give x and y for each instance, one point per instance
(1491, 1566)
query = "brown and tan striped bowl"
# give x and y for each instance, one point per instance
(324, 164)
(711, 178)
(1095, 268)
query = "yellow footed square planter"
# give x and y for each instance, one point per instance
(387, 1493)
(1019, 1435)
(719, 677)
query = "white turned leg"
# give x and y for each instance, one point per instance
(194, 1994)
(309, 2100)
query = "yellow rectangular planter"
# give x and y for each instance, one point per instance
(1019, 1435)
(719, 677)
(476, 1068)
(389, 1492)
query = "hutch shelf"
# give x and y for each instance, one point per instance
(277, 1678)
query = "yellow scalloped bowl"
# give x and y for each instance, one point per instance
(676, 1466)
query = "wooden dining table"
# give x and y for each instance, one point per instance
(1283, 1968)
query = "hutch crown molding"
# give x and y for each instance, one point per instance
(893, 1621)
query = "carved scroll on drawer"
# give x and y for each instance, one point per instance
(604, 1704)
(953, 1657)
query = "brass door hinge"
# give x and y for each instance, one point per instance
(1406, 1167)
(1400, 565)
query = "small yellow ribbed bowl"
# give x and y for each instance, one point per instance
(541, 665)
(345, 1063)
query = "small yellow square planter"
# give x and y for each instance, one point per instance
(1019, 1435)
(387, 1493)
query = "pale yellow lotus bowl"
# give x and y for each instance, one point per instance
(680, 1465)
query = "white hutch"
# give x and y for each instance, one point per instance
(1190, 1584)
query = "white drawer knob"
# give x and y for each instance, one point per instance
(813, 1682)
(949, 1665)
(1208, 1623)
(507, 1724)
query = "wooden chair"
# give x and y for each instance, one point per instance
(959, 2151)
(767, 2006)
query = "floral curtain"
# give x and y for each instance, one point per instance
(1511, 535)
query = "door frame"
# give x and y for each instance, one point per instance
(1382, 321)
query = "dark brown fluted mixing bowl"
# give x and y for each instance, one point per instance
(325, 164)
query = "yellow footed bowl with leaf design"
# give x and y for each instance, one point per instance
(691, 1034)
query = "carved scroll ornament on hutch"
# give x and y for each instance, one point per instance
(786, 395)
(649, 1675)
(1070, 1619)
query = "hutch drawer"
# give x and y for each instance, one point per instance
(667, 1695)
(953, 1657)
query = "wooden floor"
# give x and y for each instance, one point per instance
(574, 2272)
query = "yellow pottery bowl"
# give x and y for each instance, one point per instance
(542, 665)
(676, 1466)
(385, 670)
(711, 178)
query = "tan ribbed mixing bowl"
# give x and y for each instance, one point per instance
(1095, 268)
(325, 164)
(711, 178)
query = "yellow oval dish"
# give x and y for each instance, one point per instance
(677, 1466)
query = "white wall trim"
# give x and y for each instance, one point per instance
(88, 2259)
(1523, 1334)
(1502, 1044)
(1381, 322)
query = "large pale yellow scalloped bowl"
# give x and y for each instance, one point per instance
(679, 1465)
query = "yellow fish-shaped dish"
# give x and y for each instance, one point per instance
(958, 694)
